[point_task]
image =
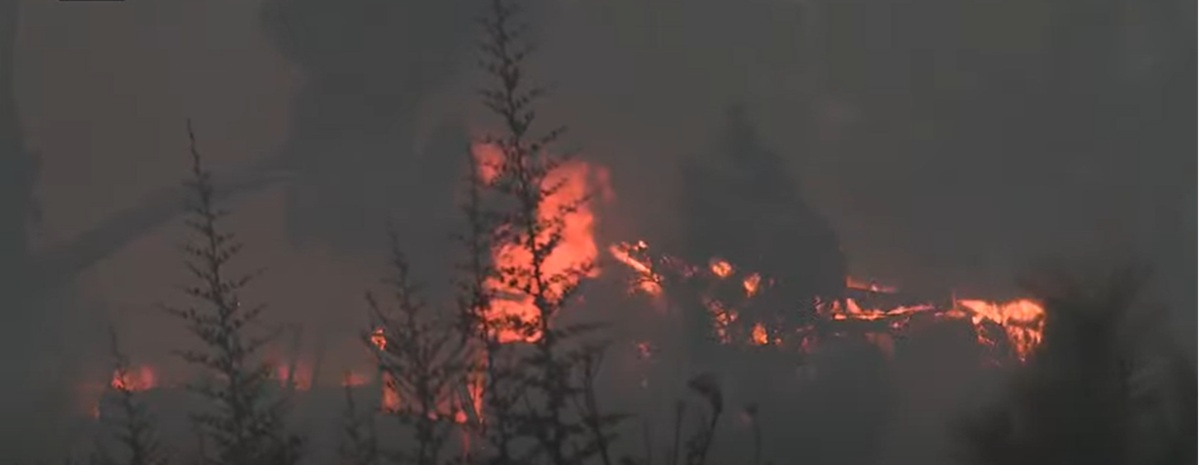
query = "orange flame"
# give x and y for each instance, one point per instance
(139, 378)
(647, 280)
(1023, 321)
(1020, 319)
(378, 339)
(721, 268)
(852, 311)
(570, 185)
(750, 284)
(758, 336)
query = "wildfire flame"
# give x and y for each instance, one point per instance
(1022, 320)
(758, 336)
(378, 339)
(720, 268)
(570, 186)
(647, 280)
(139, 378)
(852, 311)
(750, 284)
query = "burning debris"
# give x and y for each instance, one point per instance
(1021, 320)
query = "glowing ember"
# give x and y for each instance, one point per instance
(750, 284)
(758, 336)
(378, 339)
(722, 317)
(852, 311)
(721, 268)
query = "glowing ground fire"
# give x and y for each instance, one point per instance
(1022, 320)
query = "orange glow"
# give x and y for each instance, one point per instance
(139, 378)
(571, 184)
(301, 378)
(647, 280)
(870, 286)
(721, 268)
(1023, 321)
(722, 318)
(352, 379)
(884, 342)
(758, 336)
(852, 311)
(644, 349)
(89, 399)
(389, 399)
(476, 380)
(750, 284)
(489, 160)
(378, 339)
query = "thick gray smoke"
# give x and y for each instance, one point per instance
(945, 143)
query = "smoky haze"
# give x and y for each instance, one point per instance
(948, 143)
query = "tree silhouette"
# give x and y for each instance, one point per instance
(742, 206)
(555, 373)
(246, 424)
(135, 430)
(1076, 400)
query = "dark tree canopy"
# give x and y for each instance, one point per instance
(742, 206)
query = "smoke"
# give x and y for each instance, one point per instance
(946, 142)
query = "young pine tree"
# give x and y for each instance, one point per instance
(360, 444)
(530, 235)
(244, 424)
(421, 356)
(492, 377)
(133, 424)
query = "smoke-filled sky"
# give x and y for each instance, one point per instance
(949, 143)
